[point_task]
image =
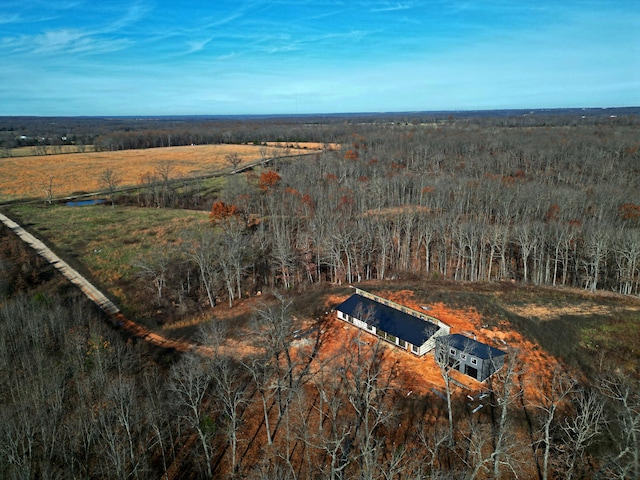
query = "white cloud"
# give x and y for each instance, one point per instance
(135, 12)
(392, 7)
(64, 41)
(6, 19)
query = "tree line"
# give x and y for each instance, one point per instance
(118, 133)
(537, 206)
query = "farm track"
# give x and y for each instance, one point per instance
(97, 297)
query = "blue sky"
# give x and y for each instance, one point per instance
(276, 57)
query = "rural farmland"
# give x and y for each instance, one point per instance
(29, 176)
(223, 355)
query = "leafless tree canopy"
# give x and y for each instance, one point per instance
(511, 199)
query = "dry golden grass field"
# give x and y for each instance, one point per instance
(80, 172)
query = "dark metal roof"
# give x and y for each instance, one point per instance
(471, 346)
(400, 324)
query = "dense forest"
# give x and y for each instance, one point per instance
(542, 206)
(552, 202)
(82, 401)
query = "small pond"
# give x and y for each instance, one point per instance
(84, 203)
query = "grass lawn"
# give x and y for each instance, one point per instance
(105, 240)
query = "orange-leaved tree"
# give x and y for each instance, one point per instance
(269, 179)
(629, 211)
(221, 211)
(351, 155)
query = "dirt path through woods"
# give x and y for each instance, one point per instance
(96, 296)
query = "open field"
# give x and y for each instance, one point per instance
(107, 241)
(80, 172)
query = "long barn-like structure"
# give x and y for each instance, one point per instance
(402, 326)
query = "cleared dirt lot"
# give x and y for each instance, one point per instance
(420, 375)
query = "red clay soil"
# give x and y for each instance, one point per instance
(418, 375)
(421, 374)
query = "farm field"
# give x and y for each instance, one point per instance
(80, 172)
(49, 149)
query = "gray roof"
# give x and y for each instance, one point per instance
(400, 324)
(471, 346)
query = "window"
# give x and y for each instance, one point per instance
(474, 361)
(415, 349)
(452, 351)
(402, 343)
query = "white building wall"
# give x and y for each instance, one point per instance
(364, 325)
(422, 349)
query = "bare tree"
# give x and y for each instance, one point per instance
(582, 429)
(261, 372)
(447, 363)
(624, 425)
(264, 156)
(203, 251)
(155, 268)
(552, 398)
(433, 439)
(231, 393)
(189, 383)
(334, 432)
(596, 248)
(627, 256)
(160, 424)
(40, 149)
(234, 160)
(47, 186)
(492, 448)
(367, 379)
(274, 326)
(118, 420)
(233, 245)
(110, 180)
(163, 172)
(5, 150)
(504, 394)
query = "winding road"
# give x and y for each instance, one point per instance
(96, 296)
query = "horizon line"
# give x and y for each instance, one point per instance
(503, 111)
